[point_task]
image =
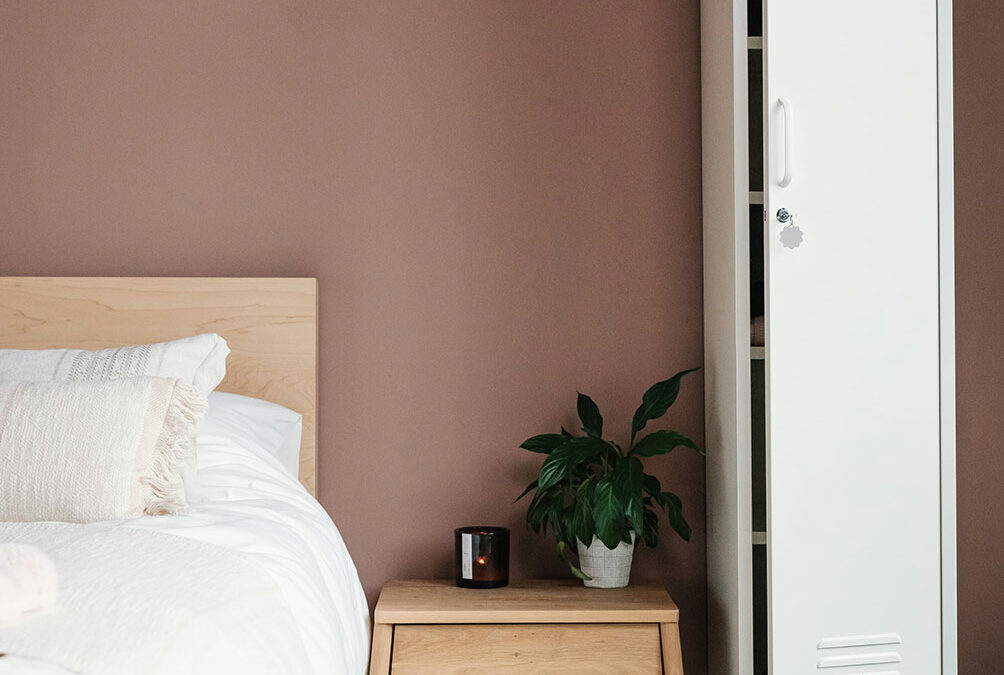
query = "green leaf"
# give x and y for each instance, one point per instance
(656, 401)
(589, 413)
(583, 526)
(536, 518)
(536, 514)
(652, 488)
(566, 433)
(557, 516)
(627, 481)
(565, 459)
(608, 514)
(674, 508)
(661, 442)
(650, 533)
(525, 492)
(553, 507)
(543, 443)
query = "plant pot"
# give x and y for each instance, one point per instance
(607, 568)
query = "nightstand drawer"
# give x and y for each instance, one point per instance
(521, 648)
(430, 626)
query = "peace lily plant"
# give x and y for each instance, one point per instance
(594, 495)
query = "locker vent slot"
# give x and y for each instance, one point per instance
(859, 660)
(860, 641)
(843, 659)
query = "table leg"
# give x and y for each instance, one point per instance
(672, 654)
(383, 634)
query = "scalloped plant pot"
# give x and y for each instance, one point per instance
(608, 568)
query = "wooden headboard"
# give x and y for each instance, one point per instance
(270, 325)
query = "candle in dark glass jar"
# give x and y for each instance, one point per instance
(482, 556)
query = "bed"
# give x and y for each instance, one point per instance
(250, 513)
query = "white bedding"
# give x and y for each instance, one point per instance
(253, 507)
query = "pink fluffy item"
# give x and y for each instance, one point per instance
(28, 581)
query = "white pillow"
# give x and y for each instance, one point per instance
(95, 450)
(199, 361)
(260, 426)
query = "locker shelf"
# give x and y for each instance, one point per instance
(758, 353)
(756, 197)
(754, 42)
(759, 538)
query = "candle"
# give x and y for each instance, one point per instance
(482, 556)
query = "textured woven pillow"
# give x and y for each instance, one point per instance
(199, 361)
(95, 450)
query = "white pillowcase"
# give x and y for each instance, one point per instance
(95, 450)
(199, 361)
(265, 428)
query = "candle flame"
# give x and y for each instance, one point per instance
(481, 560)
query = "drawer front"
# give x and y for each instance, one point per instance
(629, 648)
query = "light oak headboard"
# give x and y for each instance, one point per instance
(270, 325)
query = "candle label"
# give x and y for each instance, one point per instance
(466, 561)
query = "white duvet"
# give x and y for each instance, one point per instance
(250, 506)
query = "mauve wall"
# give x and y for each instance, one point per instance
(979, 259)
(501, 201)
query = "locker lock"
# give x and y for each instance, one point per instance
(791, 236)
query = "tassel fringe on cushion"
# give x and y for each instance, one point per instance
(95, 450)
(165, 490)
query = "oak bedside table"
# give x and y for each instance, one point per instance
(526, 627)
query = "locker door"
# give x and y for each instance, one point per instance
(852, 320)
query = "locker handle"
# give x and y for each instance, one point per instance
(786, 117)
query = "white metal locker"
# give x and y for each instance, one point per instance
(853, 361)
(859, 386)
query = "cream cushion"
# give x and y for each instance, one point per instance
(95, 450)
(199, 361)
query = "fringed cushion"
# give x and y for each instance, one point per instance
(95, 450)
(199, 361)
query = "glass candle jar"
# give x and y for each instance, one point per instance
(481, 556)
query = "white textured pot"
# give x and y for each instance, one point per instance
(608, 568)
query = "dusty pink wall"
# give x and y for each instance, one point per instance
(979, 259)
(501, 201)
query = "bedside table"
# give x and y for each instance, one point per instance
(526, 627)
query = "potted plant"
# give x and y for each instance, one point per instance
(592, 493)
